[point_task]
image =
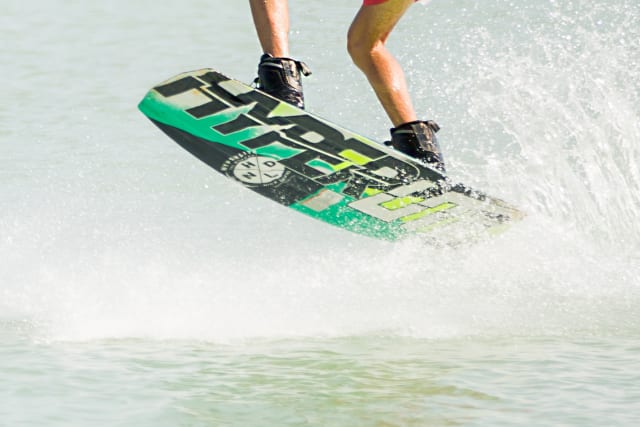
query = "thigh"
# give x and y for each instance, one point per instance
(374, 21)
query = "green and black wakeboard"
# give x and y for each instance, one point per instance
(316, 167)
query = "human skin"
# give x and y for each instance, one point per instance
(366, 43)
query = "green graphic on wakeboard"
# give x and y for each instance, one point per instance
(315, 167)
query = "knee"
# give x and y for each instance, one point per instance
(360, 49)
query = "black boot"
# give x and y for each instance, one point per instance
(280, 77)
(418, 140)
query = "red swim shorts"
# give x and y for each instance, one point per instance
(372, 2)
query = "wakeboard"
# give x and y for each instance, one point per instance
(315, 167)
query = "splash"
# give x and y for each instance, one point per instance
(570, 103)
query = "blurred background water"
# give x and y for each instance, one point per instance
(137, 287)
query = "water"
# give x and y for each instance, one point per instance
(138, 288)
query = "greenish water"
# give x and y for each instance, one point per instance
(366, 380)
(139, 289)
